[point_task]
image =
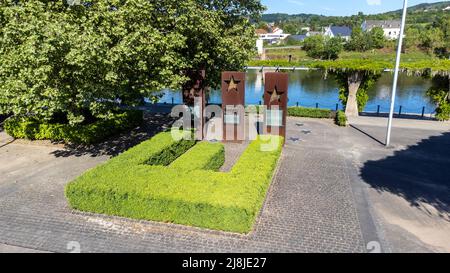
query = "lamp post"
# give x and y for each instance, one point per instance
(397, 68)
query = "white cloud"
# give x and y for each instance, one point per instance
(374, 2)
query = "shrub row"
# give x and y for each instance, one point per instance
(30, 128)
(188, 191)
(309, 112)
(341, 118)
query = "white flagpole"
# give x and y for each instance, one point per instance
(397, 68)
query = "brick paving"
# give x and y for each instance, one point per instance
(309, 208)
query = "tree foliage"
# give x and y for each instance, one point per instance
(376, 38)
(440, 95)
(73, 60)
(320, 47)
(363, 41)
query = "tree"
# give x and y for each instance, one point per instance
(431, 39)
(353, 87)
(412, 38)
(359, 41)
(314, 46)
(333, 47)
(291, 27)
(377, 38)
(443, 23)
(78, 61)
(320, 47)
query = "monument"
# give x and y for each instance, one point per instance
(233, 106)
(276, 99)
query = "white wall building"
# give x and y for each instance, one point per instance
(273, 37)
(391, 28)
(338, 31)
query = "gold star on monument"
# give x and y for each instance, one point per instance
(232, 84)
(275, 95)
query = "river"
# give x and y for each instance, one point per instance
(311, 89)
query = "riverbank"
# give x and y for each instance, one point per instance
(297, 54)
(416, 62)
(311, 89)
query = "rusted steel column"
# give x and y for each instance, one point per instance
(233, 106)
(276, 99)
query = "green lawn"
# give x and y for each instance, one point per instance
(181, 185)
(299, 55)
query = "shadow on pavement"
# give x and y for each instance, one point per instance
(420, 174)
(402, 116)
(153, 124)
(367, 134)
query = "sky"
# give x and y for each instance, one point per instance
(337, 7)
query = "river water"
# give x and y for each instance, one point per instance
(311, 89)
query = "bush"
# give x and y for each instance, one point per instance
(188, 191)
(440, 94)
(30, 128)
(319, 47)
(309, 112)
(341, 118)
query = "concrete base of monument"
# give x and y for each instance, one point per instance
(233, 152)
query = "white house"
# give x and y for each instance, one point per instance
(447, 8)
(273, 37)
(338, 31)
(391, 28)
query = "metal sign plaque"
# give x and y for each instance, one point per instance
(231, 119)
(275, 99)
(274, 118)
(233, 102)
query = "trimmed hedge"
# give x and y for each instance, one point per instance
(309, 112)
(188, 191)
(341, 118)
(29, 128)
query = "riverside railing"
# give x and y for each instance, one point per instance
(378, 110)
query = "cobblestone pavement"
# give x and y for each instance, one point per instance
(310, 207)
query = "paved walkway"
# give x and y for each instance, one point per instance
(310, 207)
(337, 190)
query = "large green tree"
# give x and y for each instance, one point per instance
(376, 38)
(320, 47)
(80, 60)
(432, 38)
